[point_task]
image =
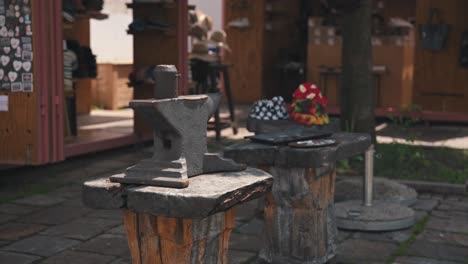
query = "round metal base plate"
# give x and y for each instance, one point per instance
(381, 216)
(384, 190)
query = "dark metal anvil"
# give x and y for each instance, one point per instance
(179, 128)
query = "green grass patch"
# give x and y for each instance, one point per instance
(406, 162)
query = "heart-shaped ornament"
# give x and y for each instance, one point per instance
(6, 49)
(17, 65)
(12, 76)
(5, 60)
(3, 32)
(2, 73)
(18, 52)
(11, 33)
(27, 66)
(14, 43)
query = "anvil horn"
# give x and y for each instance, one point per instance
(212, 103)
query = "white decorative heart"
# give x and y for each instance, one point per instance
(11, 33)
(6, 50)
(5, 60)
(14, 43)
(3, 32)
(27, 66)
(12, 76)
(2, 73)
(17, 65)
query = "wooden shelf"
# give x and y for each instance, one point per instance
(162, 4)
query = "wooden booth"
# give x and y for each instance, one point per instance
(35, 103)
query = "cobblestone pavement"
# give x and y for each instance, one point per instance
(55, 227)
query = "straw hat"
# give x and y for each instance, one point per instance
(200, 51)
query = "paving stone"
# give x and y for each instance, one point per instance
(453, 198)
(17, 209)
(75, 257)
(391, 237)
(245, 242)
(107, 214)
(15, 231)
(363, 251)
(453, 206)
(42, 245)
(6, 217)
(40, 200)
(240, 257)
(68, 192)
(76, 202)
(449, 214)
(4, 243)
(425, 205)
(16, 258)
(418, 260)
(121, 261)
(435, 236)
(440, 251)
(448, 225)
(253, 227)
(119, 230)
(107, 244)
(82, 228)
(424, 196)
(55, 215)
(437, 197)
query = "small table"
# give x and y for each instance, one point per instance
(300, 224)
(177, 226)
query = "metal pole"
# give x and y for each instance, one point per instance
(369, 176)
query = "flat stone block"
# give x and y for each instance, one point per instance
(6, 218)
(363, 251)
(15, 231)
(82, 228)
(17, 209)
(115, 214)
(55, 215)
(40, 200)
(418, 260)
(243, 242)
(16, 258)
(390, 237)
(75, 257)
(448, 225)
(240, 257)
(425, 205)
(422, 248)
(455, 239)
(103, 194)
(107, 244)
(453, 206)
(450, 214)
(42, 245)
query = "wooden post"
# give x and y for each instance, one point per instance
(163, 240)
(299, 216)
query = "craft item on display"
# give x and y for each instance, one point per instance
(16, 87)
(27, 47)
(2, 21)
(6, 49)
(6, 87)
(26, 40)
(2, 10)
(2, 73)
(273, 109)
(27, 77)
(28, 87)
(12, 76)
(27, 66)
(28, 30)
(18, 52)
(27, 56)
(4, 42)
(3, 31)
(309, 105)
(11, 33)
(17, 65)
(5, 60)
(14, 43)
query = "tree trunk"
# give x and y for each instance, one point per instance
(357, 95)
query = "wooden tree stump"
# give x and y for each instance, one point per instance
(299, 220)
(155, 239)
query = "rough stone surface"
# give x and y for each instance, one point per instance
(6, 217)
(82, 228)
(240, 257)
(206, 194)
(15, 231)
(40, 200)
(349, 144)
(245, 242)
(107, 244)
(103, 194)
(254, 227)
(438, 251)
(363, 251)
(107, 214)
(16, 258)
(54, 215)
(455, 239)
(42, 245)
(392, 237)
(425, 205)
(453, 206)
(449, 214)
(384, 189)
(17, 209)
(381, 216)
(119, 230)
(418, 260)
(75, 257)
(448, 225)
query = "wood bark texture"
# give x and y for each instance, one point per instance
(299, 216)
(357, 95)
(162, 240)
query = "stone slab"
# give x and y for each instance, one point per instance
(206, 194)
(422, 248)
(455, 225)
(17, 209)
(118, 230)
(16, 258)
(103, 194)
(42, 245)
(449, 214)
(453, 206)
(391, 237)
(75, 257)
(107, 244)
(425, 205)
(107, 214)
(6, 218)
(121, 261)
(40, 200)
(254, 154)
(449, 238)
(363, 251)
(54, 215)
(270, 126)
(419, 260)
(82, 228)
(15, 231)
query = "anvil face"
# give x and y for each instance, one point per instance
(179, 129)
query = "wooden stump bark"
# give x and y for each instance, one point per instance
(162, 240)
(299, 216)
